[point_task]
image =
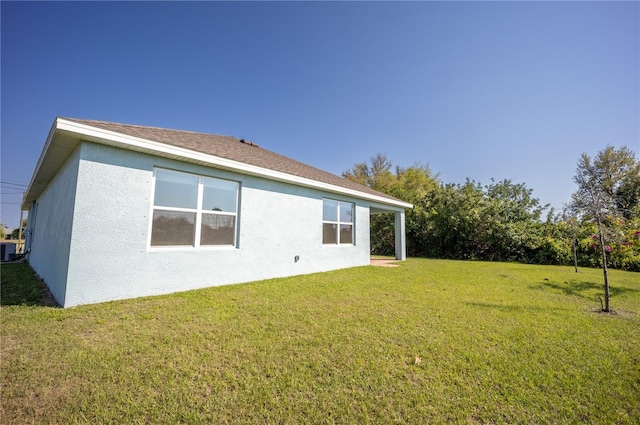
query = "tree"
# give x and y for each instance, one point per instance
(600, 183)
(459, 230)
(375, 174)
(503, 221)
(514, 218)
(570, 226)
(413, 184)
(628, 194)
(15, 234)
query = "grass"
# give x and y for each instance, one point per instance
(431, 341)
(20, 286)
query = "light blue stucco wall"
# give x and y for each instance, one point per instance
(109, 253)
(50, 228)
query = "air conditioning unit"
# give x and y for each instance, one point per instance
(7, 251)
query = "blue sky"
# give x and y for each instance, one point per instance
(503, 90)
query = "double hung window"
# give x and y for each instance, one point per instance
(337, 222)
(191, 210)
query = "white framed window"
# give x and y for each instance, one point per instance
(192, 210)
(337, 222)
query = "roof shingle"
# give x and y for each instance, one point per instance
(230, 148)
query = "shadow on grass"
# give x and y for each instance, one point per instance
(582, 289)
(21, 286)
(510, 308)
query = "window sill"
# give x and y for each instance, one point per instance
(338, 245)
(191, 248)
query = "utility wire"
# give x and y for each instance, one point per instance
(13, 183)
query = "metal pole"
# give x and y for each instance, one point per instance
(20, 244)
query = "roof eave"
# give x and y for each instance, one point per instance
(40, 178)
(77, 132)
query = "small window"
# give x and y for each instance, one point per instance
(173, 228)
(337, 222)
(191, 210)
(219, 195)
(176, 190)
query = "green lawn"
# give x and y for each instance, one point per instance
(430, 341)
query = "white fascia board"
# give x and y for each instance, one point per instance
(112, 138)
(43, 154)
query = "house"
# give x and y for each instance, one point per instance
(120, 211)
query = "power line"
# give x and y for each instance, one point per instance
(13, 183)
(16, 186)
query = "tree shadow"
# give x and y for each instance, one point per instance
(582, 289)
(510, 308)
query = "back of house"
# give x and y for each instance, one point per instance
(121, 211)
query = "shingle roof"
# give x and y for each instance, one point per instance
(231, 148)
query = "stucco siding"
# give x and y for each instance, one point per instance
(110, 256)
(51, 226)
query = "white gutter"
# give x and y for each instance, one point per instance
(120, 140)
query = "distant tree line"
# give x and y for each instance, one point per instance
(503, 221)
